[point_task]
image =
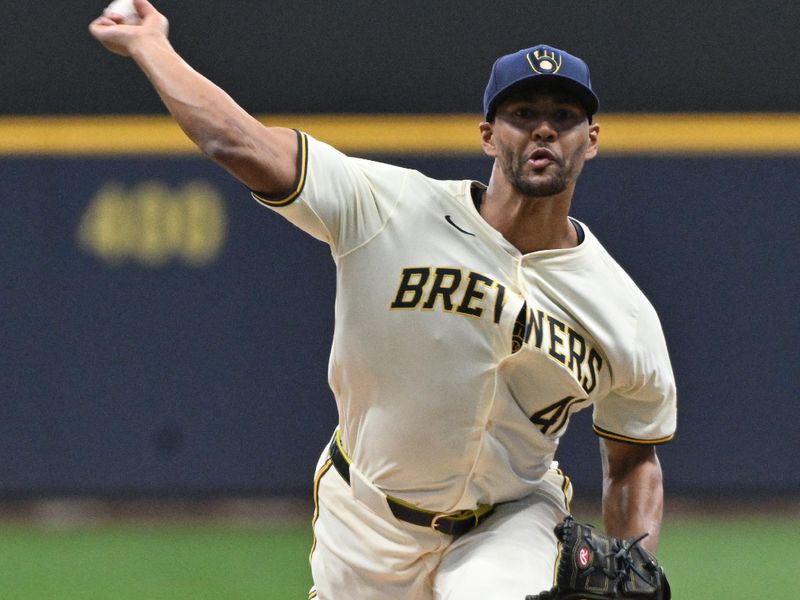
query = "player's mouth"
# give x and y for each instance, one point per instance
(541, 158)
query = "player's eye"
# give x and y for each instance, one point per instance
(563, 114)
(524, 112)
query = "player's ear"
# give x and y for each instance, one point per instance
(594, 141)
(487, 139)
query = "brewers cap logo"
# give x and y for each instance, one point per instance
(544, 62)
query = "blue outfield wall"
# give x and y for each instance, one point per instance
(164, 334)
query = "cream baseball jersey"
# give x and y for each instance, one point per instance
(457, 360)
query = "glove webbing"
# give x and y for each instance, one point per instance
(618, 566)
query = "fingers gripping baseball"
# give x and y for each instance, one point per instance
(111, 30)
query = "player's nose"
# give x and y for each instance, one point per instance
(544, 130)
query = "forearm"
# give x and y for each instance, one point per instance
(207, 114)
(633, 501)
(262, 158)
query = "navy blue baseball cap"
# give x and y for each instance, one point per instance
(534, 66)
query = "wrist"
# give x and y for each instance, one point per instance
(144, 46)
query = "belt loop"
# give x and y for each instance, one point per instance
(435, 521)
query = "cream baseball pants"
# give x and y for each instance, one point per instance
(362, 552)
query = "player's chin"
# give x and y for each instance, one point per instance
(540, 186)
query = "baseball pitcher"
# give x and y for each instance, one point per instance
(471, 321)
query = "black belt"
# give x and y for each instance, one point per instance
(455, 524)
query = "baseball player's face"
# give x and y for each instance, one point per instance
(541, 141)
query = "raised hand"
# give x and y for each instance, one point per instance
(111, 30)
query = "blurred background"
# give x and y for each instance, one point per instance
(165, 339)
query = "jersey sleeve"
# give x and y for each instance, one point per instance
(338, 199)
(642, 409)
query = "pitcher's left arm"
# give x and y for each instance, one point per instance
(633, 491)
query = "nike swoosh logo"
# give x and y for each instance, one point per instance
(449, 219)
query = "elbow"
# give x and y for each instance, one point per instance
(224, 142)
(240, 161)
(219, 149)
(261, 162)
(235, 158)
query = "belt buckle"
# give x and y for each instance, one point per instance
(461, 514)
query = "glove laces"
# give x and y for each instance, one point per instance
(625, 565)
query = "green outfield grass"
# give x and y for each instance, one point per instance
(722, 559)
(736, 558)
(155, 562)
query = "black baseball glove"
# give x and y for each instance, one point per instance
(595, 566)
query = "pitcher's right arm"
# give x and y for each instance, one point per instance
(262, 158)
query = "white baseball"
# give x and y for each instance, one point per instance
(125, 9)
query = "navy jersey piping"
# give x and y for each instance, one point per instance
(300, 179)
(610, 435)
